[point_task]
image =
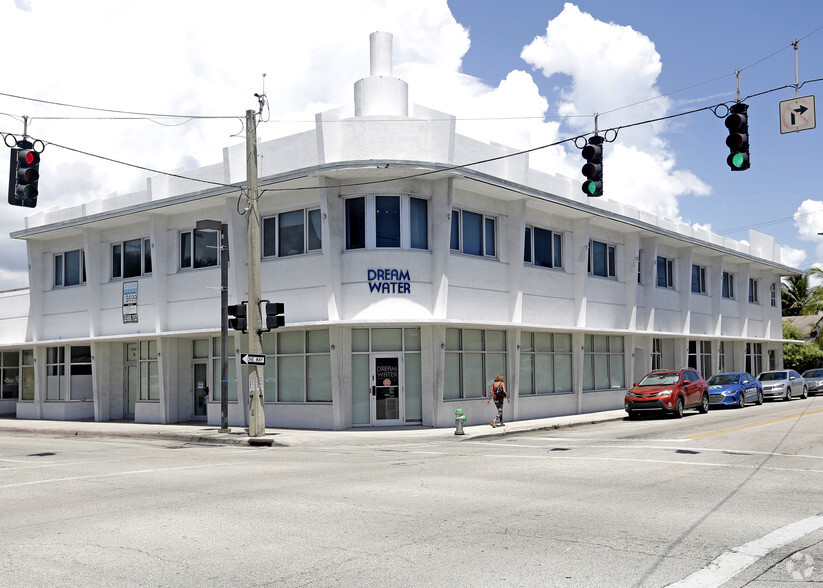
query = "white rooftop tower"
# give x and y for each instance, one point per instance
(381, 94)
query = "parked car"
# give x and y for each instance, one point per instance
(668, 391)
(734, 389)
(814, 381)
(783, 384)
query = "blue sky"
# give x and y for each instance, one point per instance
(520, 73)
(697, 44)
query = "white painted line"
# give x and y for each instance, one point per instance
(707, 464)
(731, 563)
(115, 474)
(56, 464)
(600, 439)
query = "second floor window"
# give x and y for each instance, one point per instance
(199, 248)
(753, 295)
(69, 268)
(292, 233)
(727, 287)
(543, 248)
(473, 233)
(374, 221)
(698, 279)
(773, 294)
(665, 272)
(131, 258)
(602, 259)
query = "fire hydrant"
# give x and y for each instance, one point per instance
(459, 419)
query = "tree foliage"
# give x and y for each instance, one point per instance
(801, 298)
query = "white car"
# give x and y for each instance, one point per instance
(814, 380)
(783, 384)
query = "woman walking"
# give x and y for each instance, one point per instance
(498, 393)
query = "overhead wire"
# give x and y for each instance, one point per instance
(136, 115)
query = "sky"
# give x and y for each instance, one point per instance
(95, 81)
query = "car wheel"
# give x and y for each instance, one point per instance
(805, 394)
(788, 395)
(678, 408)
(633, 416)
(741, 399)
(759, 400)
(704, 405)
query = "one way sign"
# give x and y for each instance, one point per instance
(247, 359)
(797, 114)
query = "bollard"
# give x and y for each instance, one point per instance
(459, 419)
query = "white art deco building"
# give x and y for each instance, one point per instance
(409, 283)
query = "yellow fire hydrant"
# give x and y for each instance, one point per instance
(459, 419)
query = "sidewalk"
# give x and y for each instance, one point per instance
(204, 433)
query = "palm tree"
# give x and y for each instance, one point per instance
(800, 298)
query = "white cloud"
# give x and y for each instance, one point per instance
(791, 256)
(201, 58)
(808, 218)
(616, 66)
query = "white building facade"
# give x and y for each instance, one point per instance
(409, 283)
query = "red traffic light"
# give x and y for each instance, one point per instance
(24, 174)
(28, 157)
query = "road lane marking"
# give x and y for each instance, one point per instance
(655, 461)
(115, 474)
(731, 563)
(37, 466)
(760, 424)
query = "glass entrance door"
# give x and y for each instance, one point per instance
(387, 393)
(201, 389)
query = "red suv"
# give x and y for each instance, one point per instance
(668, 391)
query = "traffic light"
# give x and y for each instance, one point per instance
(593, 168)
(24, 172)
(275, 315)
(738, 140)
(238, 317)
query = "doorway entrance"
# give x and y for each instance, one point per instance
(132, 385)
(387, 403)
(201, 390)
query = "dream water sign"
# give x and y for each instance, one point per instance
(389, 281)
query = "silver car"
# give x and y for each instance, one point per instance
(783, 384)
(814, 380)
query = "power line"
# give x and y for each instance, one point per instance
(113, 111)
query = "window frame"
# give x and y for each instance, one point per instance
(555, 248)
(11, 373)
(488, 245)
(469, 349)
(727, 286)
(754, 294)
(698, 285)
(312, 243)
(667, 273)
(193, 235)
(314, 354)
(60, 259)
(145, 258)
(604, 352)
(610, 259)
(363, 231)
(556, 349)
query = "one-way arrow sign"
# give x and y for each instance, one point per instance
(247, 359)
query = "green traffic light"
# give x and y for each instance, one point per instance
(590, 187)
(737, 160)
